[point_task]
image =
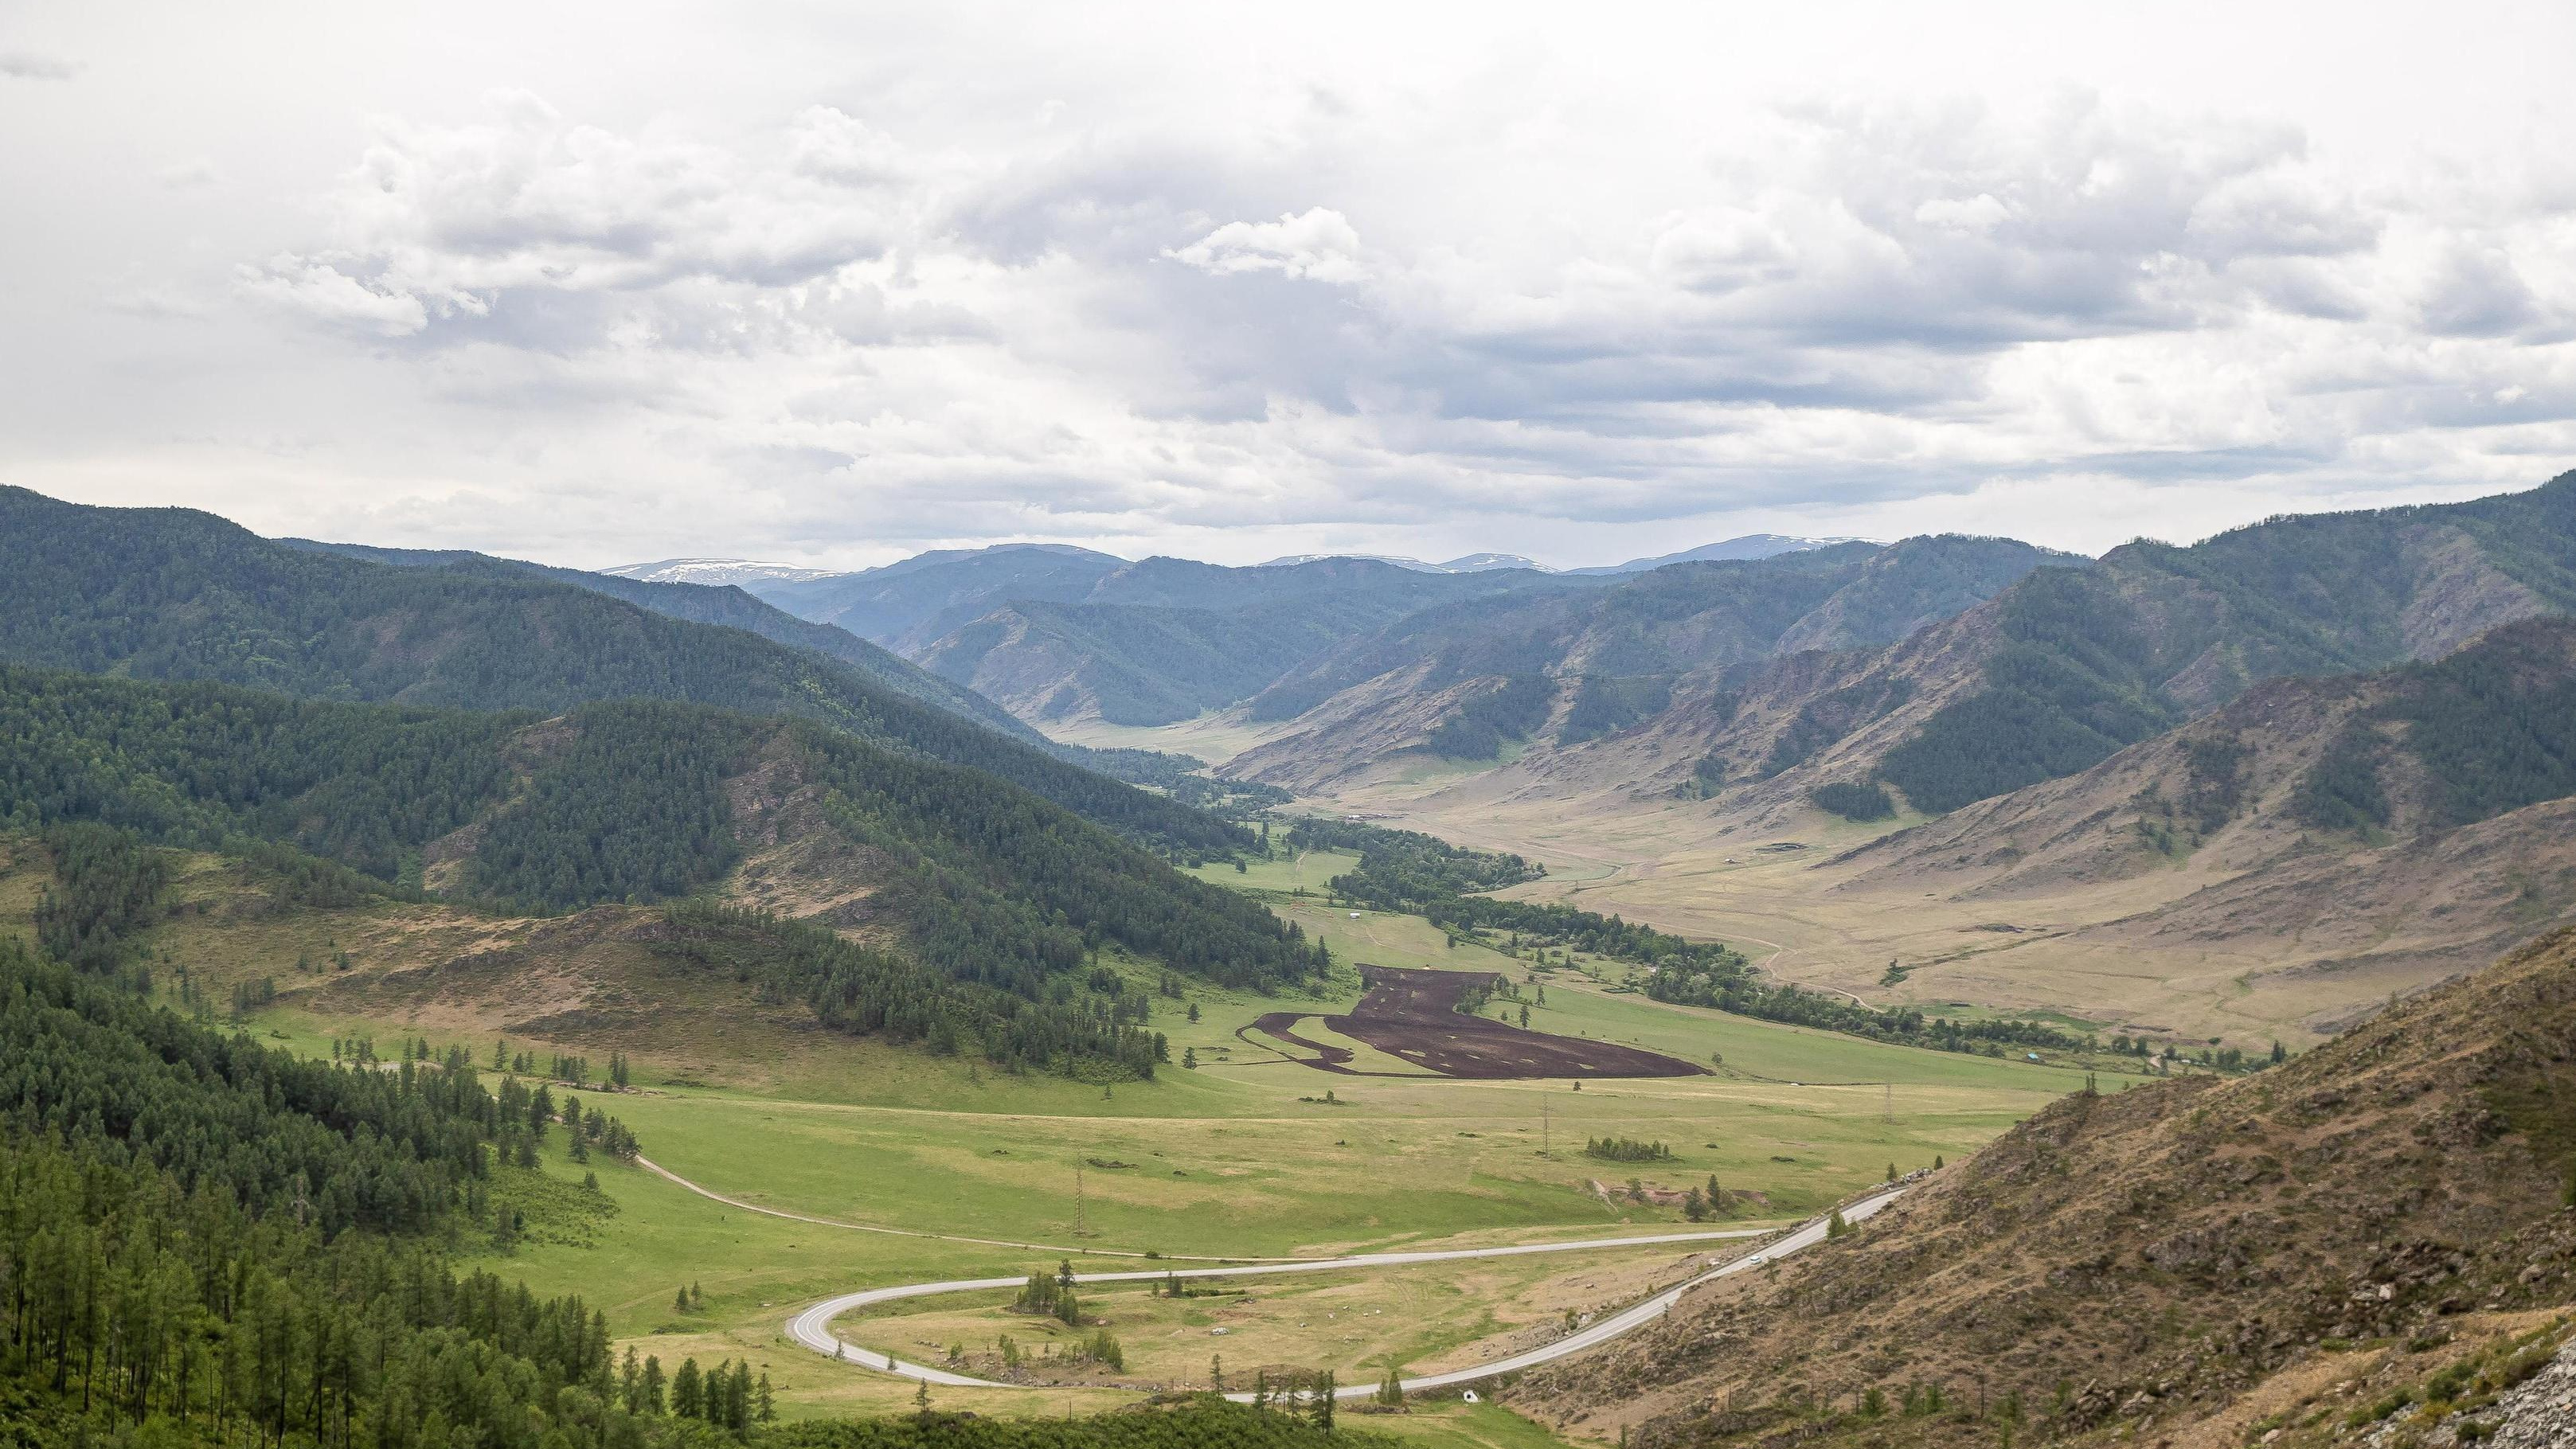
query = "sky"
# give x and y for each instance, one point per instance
(831, 284)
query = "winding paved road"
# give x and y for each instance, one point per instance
(813, 1327)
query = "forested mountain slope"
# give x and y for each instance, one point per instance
(632, 801)
(1611, 658)
(176, 594)
(725, 605)
(2363, 831)
(230, 1245)
(2355, 1239)
(2070, 665)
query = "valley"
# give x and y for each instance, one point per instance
(834, 987)
(1244, 1153)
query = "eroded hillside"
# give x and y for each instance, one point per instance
(2192, 1262)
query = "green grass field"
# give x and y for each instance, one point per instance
(1285, 873)
(1241, 1156)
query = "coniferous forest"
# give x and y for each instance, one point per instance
(172, 594)
(993, 888)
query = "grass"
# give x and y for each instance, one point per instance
(1424, 1318)
(756, 1103)
(1305, 870)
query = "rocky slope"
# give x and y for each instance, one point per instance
(2067, 666)
(2469, 763)
(2361, 1241)
(1667, 654)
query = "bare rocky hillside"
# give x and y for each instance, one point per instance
(2353, 1247)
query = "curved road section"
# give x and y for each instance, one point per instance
(813, 1327)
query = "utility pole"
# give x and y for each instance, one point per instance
(1078, 1226)
(1887, 1108)
(1544, 1145)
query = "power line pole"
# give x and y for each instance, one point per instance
(1545, 1146)
(1887, 1108)
(1079, 1229)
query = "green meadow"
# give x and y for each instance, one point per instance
(1250, 1153)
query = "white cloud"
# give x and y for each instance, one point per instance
(1221, 282)
(1318, 245)
(331, 298)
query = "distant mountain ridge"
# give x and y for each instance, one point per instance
(715, 571)
(1750, 546)
(2053, 674)
(1615, 655)
(1054, 633)
(1166, 639)
(2071, 665)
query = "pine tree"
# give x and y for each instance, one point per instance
(688, 1391)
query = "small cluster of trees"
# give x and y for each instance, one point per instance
(1700, 1204)
(1626, 1149)
(1051, 1295)
(725, 1396)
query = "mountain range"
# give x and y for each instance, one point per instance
(1057, 634)
(1998, 683)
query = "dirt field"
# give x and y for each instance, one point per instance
(1413, 1015)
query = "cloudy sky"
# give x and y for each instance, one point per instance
(833, 283)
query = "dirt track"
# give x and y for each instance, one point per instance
(1414, 1015)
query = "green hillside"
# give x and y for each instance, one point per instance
(2093, 660)
(620, 801)
(179, 595)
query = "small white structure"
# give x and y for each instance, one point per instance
(1355, 915)
(1470, 1397)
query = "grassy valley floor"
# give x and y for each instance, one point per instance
(1250, 1153)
